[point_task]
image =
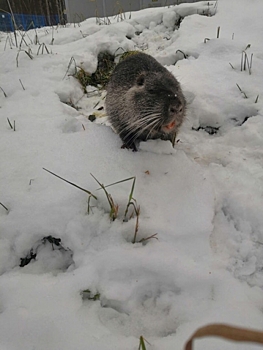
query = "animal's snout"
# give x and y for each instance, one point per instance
(176, 109)
(169, 126)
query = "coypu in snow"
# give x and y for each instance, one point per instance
(144, 101)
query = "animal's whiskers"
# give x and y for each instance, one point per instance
(140, 122)
(140, 131)
(140, 125)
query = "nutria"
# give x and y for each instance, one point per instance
(144, 101)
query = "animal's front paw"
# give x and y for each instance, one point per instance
(130, 146)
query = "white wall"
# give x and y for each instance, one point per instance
(78, 10)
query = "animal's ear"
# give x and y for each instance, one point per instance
(140, 80)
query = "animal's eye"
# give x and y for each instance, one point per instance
(140, 80)
(180, 109)
(172, 110)
(151, 91)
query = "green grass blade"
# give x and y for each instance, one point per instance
(142, 344)
(71, 183)
(118, 182)
(113, 207)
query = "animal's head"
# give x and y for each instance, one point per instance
(158, 101)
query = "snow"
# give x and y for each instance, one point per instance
(203, 198)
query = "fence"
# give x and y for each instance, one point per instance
(25, 22)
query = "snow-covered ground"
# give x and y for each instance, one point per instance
(204, 199)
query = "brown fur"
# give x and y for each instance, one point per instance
(144, 101)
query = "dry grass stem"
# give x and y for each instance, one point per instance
(4, 206)
(218, 32)
(72, 60)
(242, 92)
(43, 46)
(11, 126)
(147, 238)
(226, 332)
(22, 84)
(3, 92)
